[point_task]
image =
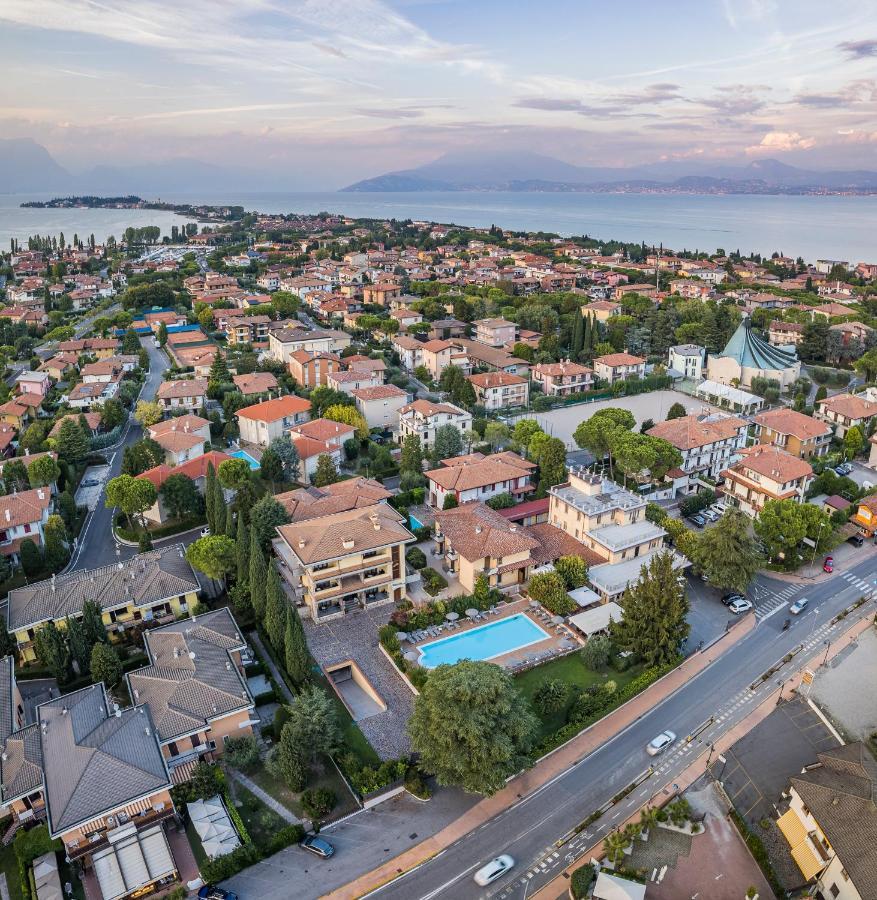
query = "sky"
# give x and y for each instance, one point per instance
(324, 92)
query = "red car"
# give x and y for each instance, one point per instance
(828, 565)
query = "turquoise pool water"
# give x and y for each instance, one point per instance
(484, 642)
(415, 523)
(242, 454)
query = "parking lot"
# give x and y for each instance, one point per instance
(708, 618)
(89, 490)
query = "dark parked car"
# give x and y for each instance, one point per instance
(843, 469)
(728, 599)
(697, 519)
(212, 892)
(318, 846)
(856, 540)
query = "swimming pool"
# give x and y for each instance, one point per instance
(484, 642)
(415, 522)
(242, 454)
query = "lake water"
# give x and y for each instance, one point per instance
(812, 227)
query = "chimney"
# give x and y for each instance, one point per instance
(477, 529)
(8, 516)
(301, 543)
(40, 494)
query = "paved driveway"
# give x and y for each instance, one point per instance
(707, 616)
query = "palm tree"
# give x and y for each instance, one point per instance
(648, 819)
(614, 846)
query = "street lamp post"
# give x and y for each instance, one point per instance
(782, 684)
(827, 647)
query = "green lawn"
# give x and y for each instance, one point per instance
(328, 777)
(195, 844)
(9, 867)
(572, 670)
(261, 822)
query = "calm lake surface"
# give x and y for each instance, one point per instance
(812, 227)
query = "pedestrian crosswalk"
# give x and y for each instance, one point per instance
(866, 587)
(764, 609)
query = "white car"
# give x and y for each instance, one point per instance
(799, 606)
(740, 606)
(660, 743)
(205, 531)
(494, 869)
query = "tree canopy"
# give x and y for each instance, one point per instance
(727, 553)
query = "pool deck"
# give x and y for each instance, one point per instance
(561, 640)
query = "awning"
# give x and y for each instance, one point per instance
(133, 861)
(807, 862)
(795, 832)
(597, 619)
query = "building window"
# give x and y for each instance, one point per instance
(834, 890)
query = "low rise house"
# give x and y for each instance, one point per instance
(263, 422)
(351, 380)
(255, 383)
(830, 823)
(423, 417)
(563, 378)
(446, 329)
(18, 412)
(380, 405)
(194, 687)
(865, 516)
(309, 453)
(195, 469)
(34, 383)
(84, 395)
(688, 360)
(490, 359)
(477, 477)
(766, 473)
(23, 516)
(314, 502)
(844, 411)
(147, 587)
(182, 438)
(409, 350)
(794, 432)
(784, 334)
(312, 369)
(495, 332)
(708, 444)
(619, 366)
(476, 540)
(601, 310)
(344, 561)
(283, 342)
(437, 356)
(498, 390)
(183, 393)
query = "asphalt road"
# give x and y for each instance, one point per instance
(96, 546)
(528, 831)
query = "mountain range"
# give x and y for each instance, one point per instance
(517, 171)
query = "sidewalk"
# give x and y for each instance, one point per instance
(697, 768)
(549, 767)
(856, 556)
(286, 814)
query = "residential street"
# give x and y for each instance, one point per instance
(96, 546)
(528, 830)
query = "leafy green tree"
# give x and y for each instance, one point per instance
(348, 415)
(180, 496)
(8, 645)
(326, 472)
(313, 721)
(821, 393)
(92, 623)
(213, 555)
(551, 696)
(34, 438)
(275, 611)
(258, 576)
(412, 455)
(77, 644)
(56, 552)
(676, 411)
(289, 761)
(324, 397)
(148, 412)
(573, 570)
(599, 433)
(450, 501)
(549, 589)
(112, 414)
(295, 646)
(210, 497)
(783, 524)
(642, 456)
(854, 442)
(285, 450)
(597, 652)
(141, 457)
(219, 506)
(15, 476)
(727, 554)
(471, 727)
(162, 334)
(457, 386)
(43, 471)
(219, 374)
(496, 433)
(50, 648)
(814, 342)
(655, 608)
(242, 551)
(265, 517)
(31, 557)
(523, 433)
(552, 465)
(72, 444)
(866, 365)
(232, 473)
(448, 443)
(105, 665)
(132, 495)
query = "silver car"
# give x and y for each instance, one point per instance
(496, 868)
(660, 743)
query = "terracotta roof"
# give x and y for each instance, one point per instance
(183, 424)
(688, 432)
(313, 503)
(378, 392)
(176, 441)
(428, 408)
(529, 508)
(272, 410)
(309, 447)
(554, 543)
(193, 468)
(181, 387)
(92, 418)
(619, 359)
(561, 369)
(324, 430)
(774, 463)
(475, 531)
(339, 535)
(436, 346)
(480, 473)
(793, 327)
(849, 405)
(789, 421)
(24, 508)
(487, 380)
(363, 364)
(255, 383)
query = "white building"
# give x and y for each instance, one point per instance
(688, 360)
(423, 418)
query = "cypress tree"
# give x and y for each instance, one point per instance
(242, 551)
(298, 662)
(275, 611)
(577, 342)
(586, 334)
(229, 522)
(218, 508)
(257, 577)
(209, 498)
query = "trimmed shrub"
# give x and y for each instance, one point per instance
(416, 558)
(318, 803)
(433, 582)
(581, 881)
(242, 752)
(550, 696)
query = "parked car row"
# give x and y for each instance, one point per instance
(710, 514)
(737, 603)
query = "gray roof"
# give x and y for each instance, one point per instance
(95, 761)
(21, 769)
(145, 579)
(748, 349)
(840, 793)
(7, 697)
(191, 678)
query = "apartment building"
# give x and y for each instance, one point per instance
(194, 687)
(409, 350)
(498, 390)
(794, 432)
(688, 360)
(766, 473)
(610, 522)
(495, 332)
(184, 393)
(476, 540)
(708, 444)
(843, 411)
(23, 516)
(619, 366)
(563, 378)
(380, 405)
(490, 359)
(283, 342)
(438, 355)
(312, 369)
(830, 823)
(422, 417)
(478, 477)
(149, 587)
(247, 329)
(344, 561)
(783, 334)
(262, 422)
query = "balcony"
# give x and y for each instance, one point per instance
(99, 840)
(188, 755)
